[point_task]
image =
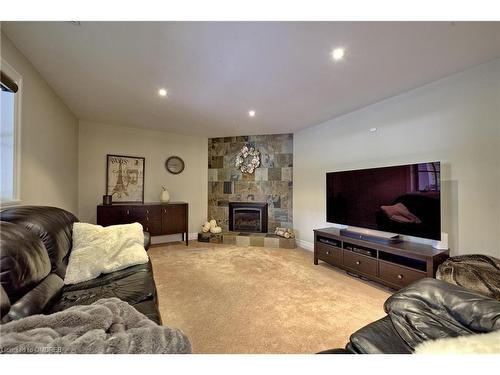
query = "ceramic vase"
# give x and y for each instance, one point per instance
(165, 196)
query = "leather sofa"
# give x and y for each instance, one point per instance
(428, 309)
(35, 245)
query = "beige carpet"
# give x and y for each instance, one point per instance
(231, 299)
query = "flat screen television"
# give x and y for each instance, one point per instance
(403, 199)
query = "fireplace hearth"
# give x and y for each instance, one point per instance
(248, 217)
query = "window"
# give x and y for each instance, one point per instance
(10, 123)
(428, 177)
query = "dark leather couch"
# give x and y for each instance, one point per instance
(428, 309)
(35, 245)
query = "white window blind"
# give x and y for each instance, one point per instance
(10, 123)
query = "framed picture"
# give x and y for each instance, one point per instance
(125, 178)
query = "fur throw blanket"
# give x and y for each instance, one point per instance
(107, 326)
(479, 273)
(485, 343)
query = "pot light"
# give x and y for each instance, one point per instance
(251, 113)
(338, 54)
(373, 130)
(162, 92)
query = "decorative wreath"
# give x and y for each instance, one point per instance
(244, 155)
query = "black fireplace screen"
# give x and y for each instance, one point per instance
(248, 217)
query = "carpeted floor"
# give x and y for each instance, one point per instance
(231, 299)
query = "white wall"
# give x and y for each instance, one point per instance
(49, 139)
(98, 140)
(455, 120)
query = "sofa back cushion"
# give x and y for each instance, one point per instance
(23, 260)
(429, 309)
(52, 225)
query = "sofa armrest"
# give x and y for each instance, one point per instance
(147, 240)
(4, 302)
(379, 337)
(37, 299)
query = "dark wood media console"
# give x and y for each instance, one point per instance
(156, 218)
(395, 265)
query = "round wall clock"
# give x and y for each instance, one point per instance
(174, 165)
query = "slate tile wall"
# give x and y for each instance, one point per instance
(272, 182)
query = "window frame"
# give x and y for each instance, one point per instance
(18, 78)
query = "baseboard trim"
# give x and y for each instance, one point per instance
(155, 240)
(305, 244)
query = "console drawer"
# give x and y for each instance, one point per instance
(398, 275)
(153, 227)
(361, 263)
(329, 254)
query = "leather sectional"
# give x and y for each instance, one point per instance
(35, 246)
(428, 309)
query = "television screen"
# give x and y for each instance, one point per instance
(402, 199)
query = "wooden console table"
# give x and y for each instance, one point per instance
(395, 265)
(156, 218)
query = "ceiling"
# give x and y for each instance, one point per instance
(215, 72)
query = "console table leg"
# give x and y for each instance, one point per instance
(316, 261)
(186, 239)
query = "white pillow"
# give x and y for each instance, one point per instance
(98, 250)
(481, 343)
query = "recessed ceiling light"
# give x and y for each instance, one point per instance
(162, 92)
(373, 130)
(338, 54)
(251, 113)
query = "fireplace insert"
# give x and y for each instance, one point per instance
(248, 217)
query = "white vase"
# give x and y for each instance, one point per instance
(165, 196)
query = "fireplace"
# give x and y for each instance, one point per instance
(248, 217)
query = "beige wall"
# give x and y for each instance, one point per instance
(455, 120)
(98, 140)
(49, 139)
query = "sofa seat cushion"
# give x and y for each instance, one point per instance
(379, 337)
(110, 277)
(134, 285)
(150, 309)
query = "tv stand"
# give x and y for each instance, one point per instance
(392, 264)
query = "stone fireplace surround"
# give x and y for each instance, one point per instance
(271, 183)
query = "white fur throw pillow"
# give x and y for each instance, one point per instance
(98, 250)
(482, 343)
